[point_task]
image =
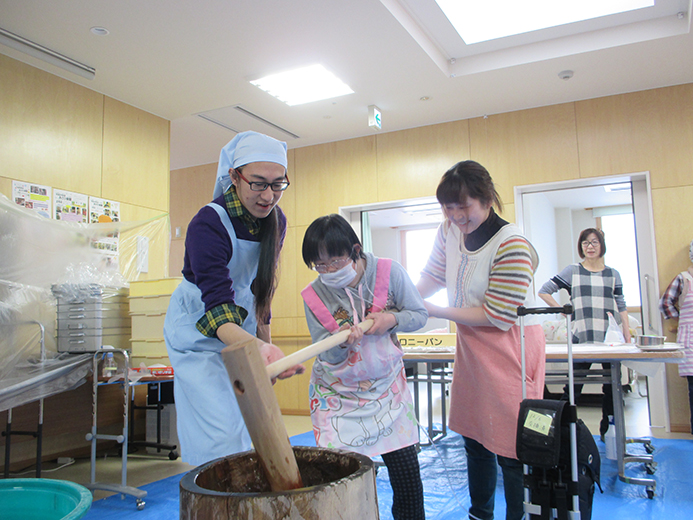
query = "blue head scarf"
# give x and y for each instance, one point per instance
(245, 148)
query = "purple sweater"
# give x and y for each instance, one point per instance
(208, 251)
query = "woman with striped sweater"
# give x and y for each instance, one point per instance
(487, 267)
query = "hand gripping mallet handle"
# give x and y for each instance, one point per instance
(306, 353)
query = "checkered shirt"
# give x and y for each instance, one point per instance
(592, 295)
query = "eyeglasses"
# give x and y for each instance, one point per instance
(334, 264)
(262, 186)
(593, 243)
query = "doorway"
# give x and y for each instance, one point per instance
(552, 214)
(403, 230)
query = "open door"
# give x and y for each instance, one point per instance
(539, 219)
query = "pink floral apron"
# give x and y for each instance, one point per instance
(362, 404)
(685, 333)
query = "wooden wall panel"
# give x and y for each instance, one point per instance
(191, 188)
(158, 232)
(304, 276)
(51, 129)
(411, 162)
(284, 303)
(332, 175)
(175, 261)
(677, 394)
(526, 147)
(673, 218)
(136, 148)
(292, 393)
(641, 131)
(283, 328)
(6, 187)
(288, 200)
(509, 212)
(132, 213)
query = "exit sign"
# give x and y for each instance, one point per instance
(374, 118)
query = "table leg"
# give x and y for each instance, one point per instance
(619, 422)
(415, 380)
(429, 389)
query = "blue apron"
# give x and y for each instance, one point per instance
(209, 422)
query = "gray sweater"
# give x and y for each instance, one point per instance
(403, 301)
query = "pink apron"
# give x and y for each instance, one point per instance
(685, 333)
(486, 388)
(362, 404)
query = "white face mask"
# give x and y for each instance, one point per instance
(339, 279)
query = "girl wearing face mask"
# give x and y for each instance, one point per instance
(358, 392)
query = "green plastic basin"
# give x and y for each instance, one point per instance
(42, 499)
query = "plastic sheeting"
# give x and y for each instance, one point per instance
(446, 494)
(35, 254)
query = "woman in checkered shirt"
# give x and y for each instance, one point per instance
(595, 292)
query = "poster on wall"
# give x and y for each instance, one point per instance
(69, 206)
(34, 197)
(102, 211)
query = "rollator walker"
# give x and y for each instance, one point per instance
(560, 458)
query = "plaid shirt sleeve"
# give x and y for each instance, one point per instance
(217, 316)
(668, 304)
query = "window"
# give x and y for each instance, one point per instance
(418, 244)
(621, 254)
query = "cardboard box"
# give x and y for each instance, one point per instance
(156, 371)
(154, 287)
(149, 304)
(148, 348)
(145, 326)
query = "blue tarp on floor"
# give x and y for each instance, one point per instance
(443, 469)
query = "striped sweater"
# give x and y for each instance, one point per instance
(509, 278)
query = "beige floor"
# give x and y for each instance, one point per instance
(143, 468)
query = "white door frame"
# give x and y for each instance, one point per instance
(647, 267)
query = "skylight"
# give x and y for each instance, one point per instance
(303, 85)
(477, 21)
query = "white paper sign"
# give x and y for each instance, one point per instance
(35, 197)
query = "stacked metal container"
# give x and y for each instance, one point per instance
(90, 316)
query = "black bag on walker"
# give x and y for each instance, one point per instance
(543, 444)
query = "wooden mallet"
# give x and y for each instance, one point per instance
(259, 406)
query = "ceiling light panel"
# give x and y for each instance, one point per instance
(303, 85)
(483, 21)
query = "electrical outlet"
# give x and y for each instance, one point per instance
(65, 460)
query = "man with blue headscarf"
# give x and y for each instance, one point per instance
(229, 276)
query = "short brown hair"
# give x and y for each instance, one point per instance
(583, 237)
(467, 179)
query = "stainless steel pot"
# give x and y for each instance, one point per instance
(648, 341)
